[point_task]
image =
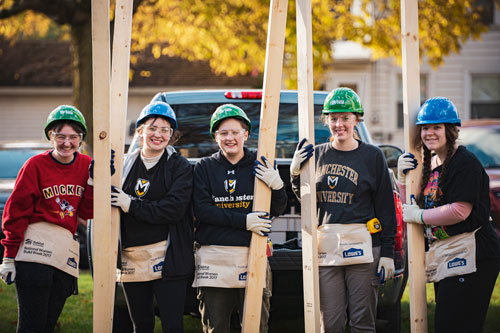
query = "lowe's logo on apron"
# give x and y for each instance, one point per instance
(242, 276)
(72, 262)
(158, 267)
(457, 262)
(352, 252)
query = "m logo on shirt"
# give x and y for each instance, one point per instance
(230, 185)
(332, 182)
(142, 187)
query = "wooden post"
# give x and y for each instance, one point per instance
(411, 104)
(257, 260)
(104, 281)
(308, 173)
(108, 95)
(120, 68)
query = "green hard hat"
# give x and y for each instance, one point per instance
(65, 112)
(228, 111)
(343, 100)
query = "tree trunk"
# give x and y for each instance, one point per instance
(82, 75)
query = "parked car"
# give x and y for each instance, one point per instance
(482, 137)
(13, 154)
(193, 110)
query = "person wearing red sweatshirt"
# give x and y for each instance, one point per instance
(51, 191)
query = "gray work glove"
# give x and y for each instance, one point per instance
(268, 174)
(120, 199)
(8, 270)
(406, 162)
(385, 269)
(259, 222)
(301, 155)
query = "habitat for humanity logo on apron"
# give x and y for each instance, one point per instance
(49, 244)
(221, 266)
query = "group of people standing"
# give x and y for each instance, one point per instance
(182, 225)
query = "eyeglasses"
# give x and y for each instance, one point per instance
(233, 132)
(343, 119)
(74, 138)
(151, 129)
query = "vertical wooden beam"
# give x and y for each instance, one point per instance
(307, 174)
(104, 281)
(120, 68)
(257, 260)
(411, 105)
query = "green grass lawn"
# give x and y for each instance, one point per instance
(77, 313)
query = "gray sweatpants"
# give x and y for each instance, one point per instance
(352, 288)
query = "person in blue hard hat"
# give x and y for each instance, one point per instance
(356, 216)
(156, 223)
(453, 205)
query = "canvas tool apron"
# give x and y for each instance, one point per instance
(452, 256)
(344, 244)
(49, 244)
(142, 263)
(221, 266)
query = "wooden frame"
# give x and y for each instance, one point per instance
(411, 105)
(103, 272)
(257, 260)
(308, 172)
(110, 102)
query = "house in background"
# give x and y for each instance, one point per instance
(471, 79)
(36, 77)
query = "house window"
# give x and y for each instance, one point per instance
(485, 96)
(423, 96)
(486, 9)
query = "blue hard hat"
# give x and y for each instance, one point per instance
(161, 109)
(438, 110)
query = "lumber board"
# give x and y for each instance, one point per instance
(120, 68)
(411, 105)
(257, 259)
(103, 271)
(309, 220)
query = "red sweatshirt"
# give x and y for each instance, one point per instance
(47, 191)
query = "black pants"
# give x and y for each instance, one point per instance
(170, 297)
(462, 301)
(41, 291)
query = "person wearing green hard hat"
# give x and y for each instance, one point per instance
(223, 200)
(453, 205)
(52, 191)
(156, 234)
(355, 204)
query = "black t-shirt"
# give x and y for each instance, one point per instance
(142, 183)
(465, 180)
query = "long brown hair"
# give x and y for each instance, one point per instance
(451, 134)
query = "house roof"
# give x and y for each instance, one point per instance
(44, 63)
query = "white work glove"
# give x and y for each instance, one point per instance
(385, 269)
(259, 222)
(8, 270)
(120, 198)
(301, 155)
(412, 213)
(268, 174)
(406, 162)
